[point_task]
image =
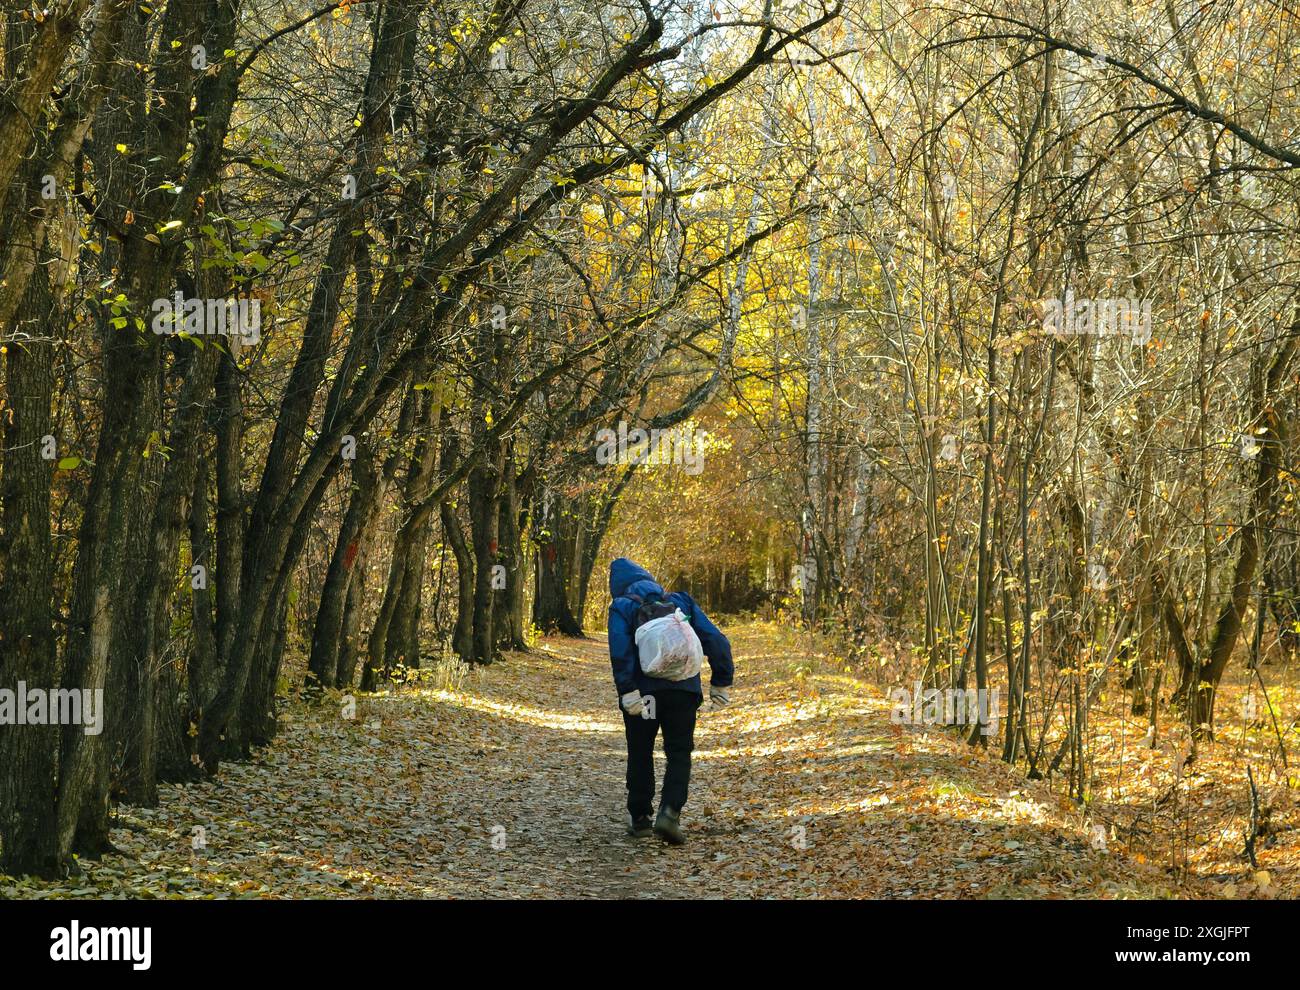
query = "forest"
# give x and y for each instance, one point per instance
(941, 350)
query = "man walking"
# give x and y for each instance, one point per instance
(652, 703)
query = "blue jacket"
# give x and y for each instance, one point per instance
(627, 577)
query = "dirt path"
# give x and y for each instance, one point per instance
(510, 784)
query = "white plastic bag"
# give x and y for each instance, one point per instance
(668, 648)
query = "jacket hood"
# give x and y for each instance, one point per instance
(629, 577)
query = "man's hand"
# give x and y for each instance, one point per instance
(721, 697)
(632, 703)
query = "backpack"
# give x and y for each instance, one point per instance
(649, 608)
(666, 645)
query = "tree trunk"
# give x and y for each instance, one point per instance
(27, 613)
(556, 562)
(484, 513)
(509, 600)
(1200, 685)
(201, 669)
(327, 633)
(462, 637)
(148, 627)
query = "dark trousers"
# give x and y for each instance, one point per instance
(675, 715)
